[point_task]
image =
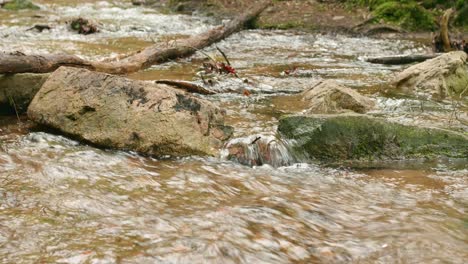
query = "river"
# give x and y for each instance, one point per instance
(66, 202)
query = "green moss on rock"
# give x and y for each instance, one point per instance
(358, 137)
(20, 4)
(457, 82)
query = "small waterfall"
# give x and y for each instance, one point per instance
(256, 150)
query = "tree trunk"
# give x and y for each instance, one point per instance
(158, 53)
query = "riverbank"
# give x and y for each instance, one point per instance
(321, 16)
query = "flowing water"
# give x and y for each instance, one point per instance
(66, 202)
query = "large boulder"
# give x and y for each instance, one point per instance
(360, 137)
(17, 90)
(328, 96)
(446, 75)
(116, 112)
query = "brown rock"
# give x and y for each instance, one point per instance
(328, 96)
(115, 112)
(446, 75)
(19, 89)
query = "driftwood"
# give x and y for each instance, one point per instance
(21, 63)
(40, 28)
(367, 29)
(444, 31)
(360, 25)
(402, 59)
(379, 29)
(158, 53)
(187, 86)
(442, 42)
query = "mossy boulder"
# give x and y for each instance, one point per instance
(360, 137)
(20, 4)
(18, 90)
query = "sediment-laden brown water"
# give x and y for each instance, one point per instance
(65, 202)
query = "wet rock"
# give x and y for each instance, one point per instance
(138, 2)
(360, 137)
(446, 75)
(185, 6)
(116, 112)
(257, 150)
(4, 2)
(328, 96)
(18, 4)
(83, 26)
(17, 90)
(40, 28)
(152, 3)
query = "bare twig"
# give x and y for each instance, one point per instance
(226, 59)
(12, 101)
(224, 56)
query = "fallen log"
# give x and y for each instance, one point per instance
(158, 53)
(21, 63)
(402, 59)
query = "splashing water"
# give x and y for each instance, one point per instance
(257, 150)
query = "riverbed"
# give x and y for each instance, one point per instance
(62, 201)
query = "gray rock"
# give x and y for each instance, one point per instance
(116, 112)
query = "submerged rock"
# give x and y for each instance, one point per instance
(138, 2)
(360, 137)
(328, 96)
(116, 112)
(257, 150)
(83, 26)
(446, 75)
(17, 90)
